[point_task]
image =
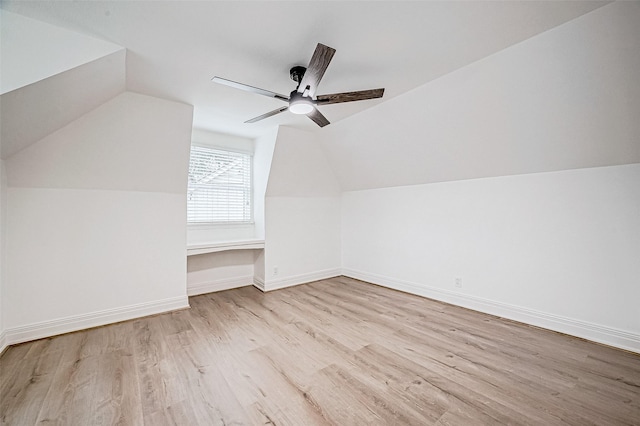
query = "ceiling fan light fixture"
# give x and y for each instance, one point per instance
(300, 107)
(300, 104)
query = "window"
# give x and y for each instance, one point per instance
(219, 189)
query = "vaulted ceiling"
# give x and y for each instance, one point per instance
(175, 48)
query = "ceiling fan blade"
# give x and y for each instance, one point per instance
(361, 95)
(248, 88)
(318, 118)
(269, 114)
(317, 66)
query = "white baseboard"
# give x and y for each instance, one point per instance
(44, 329)
(585, 330)
(276, 284)
(258, 283)
(3, 341)
(219, 285)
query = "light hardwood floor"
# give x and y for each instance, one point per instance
(337, 351)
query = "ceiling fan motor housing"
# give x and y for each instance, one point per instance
(297, 73)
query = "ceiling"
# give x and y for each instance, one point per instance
(175, 48)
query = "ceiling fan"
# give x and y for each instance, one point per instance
(303, 99)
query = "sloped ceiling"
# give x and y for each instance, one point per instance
(175, 48)
(565, 99)
(34, 111)
(33, 50)
(50, 77)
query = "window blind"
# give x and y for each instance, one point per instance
(219, 188)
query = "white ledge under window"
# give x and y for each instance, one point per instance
(201, 248)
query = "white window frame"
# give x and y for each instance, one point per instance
(207, 224)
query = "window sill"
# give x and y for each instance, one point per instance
(202, 248)
(215, 225)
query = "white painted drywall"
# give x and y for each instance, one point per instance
(76, 252)
(567, 98)
(217, 233)
(303, 240)
(562, 244)
(258, 267)
(302, 213)
(221, 140)
(124, 144)
(300, 167)
(32, 50)
(3, 250)
(555, 241)
(32, 112)
(262, 158)
(219, 271)
(96, 218)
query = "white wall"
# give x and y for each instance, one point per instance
(3, 251)
(220, 271)
(50, 77)
(262, 158)
(30, 113)
(127, 144)
(302, 240)
(302, 212)
(554, 241)
(567, 98)
(300, 167)
(560, 249)
(96, 219)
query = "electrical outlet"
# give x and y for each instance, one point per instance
(458, 282)
(275, 270)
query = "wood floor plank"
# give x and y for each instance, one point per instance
(70, 399)
(157, 373)
(332, 352)
(25, 386)
(116, 394)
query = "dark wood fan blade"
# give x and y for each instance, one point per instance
(317, 66)
(361, 95)
(269, 114)
(318, 118)
(248, 88)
